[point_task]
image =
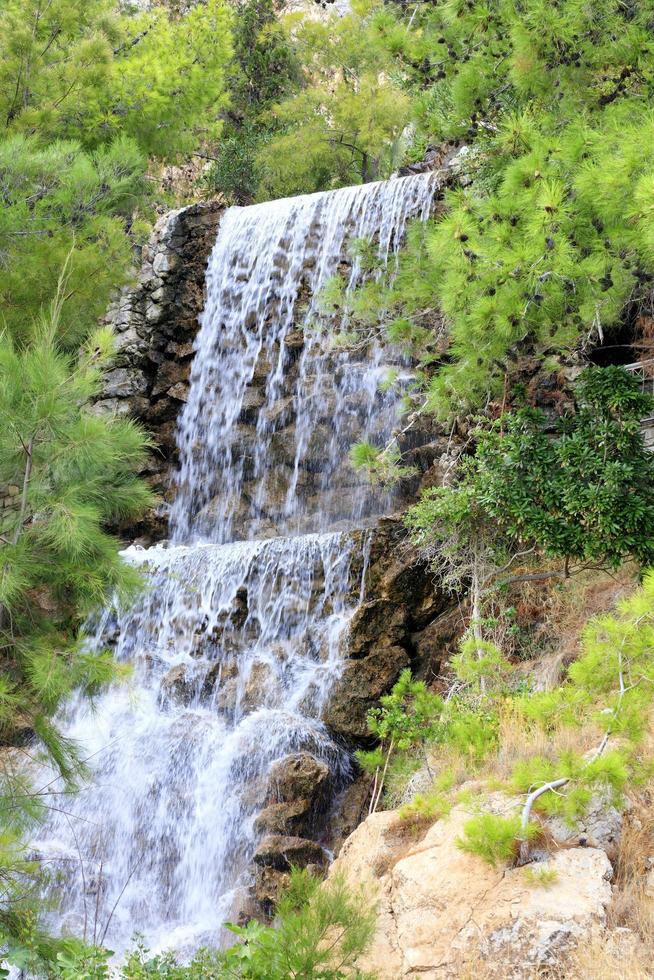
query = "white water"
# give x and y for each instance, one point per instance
(235, 643)
(265, 275)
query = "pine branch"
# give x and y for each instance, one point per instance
(29, 449)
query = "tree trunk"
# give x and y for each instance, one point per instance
(476, 619)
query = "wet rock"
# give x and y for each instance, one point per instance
(179, 392)
(218, 673)
(269, 885)
(226, 698)
(176, 685)
(294, 340)
(436, 643)
(253, 399)
(283, 818)
(359, 689)
(170, 373)
(283, 446)
(283, 853)
(154, 319)
(298, 777)
(280, 411)
(261, 687)
(349, 809)
(377, 624)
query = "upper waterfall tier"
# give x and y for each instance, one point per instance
(274, 404)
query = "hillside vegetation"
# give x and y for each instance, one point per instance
(542, 249)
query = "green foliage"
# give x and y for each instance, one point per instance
(319, 933)
(481, 665)
(383, 466)
(408, 716)
(410, 723)
(346, 125)
(610, 687)
(81, 964)
(78, 69)
(607, 691)
(233, 171)
(432, 805)
(140, 965)
(88, 89)
(72, 471)
(608, 774)
(471, 728)
(561, 496)
(552, 236)
(91, 963)
(264, 70)
(64, 206)
(67, 472)
(493, 838)
(543, 877)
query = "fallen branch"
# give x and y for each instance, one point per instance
(526, 813)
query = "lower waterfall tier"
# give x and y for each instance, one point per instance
(233, 649)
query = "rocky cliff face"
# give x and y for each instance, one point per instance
(443, 914)
(155, 322)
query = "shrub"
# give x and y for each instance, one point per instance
(543, 877)
(493, 838)
(319, 934)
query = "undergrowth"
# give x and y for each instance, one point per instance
(590, 731)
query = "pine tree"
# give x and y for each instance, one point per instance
(63, 205)
(347, 124)
(78, 69)
(551, 238)
(265, 68)
(64, 472)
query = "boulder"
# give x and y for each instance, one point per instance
(298, 777)
(283, 853)
(283, 818)
(266, 891)
(441, 912)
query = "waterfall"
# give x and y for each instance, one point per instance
(236, 640)
(266, 354)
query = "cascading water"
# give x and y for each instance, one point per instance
(236, 640)
(264, 281)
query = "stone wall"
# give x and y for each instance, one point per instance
(156, 321)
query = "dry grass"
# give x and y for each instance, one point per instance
(556, 617)
(520, 741)
(624, 950)
(632, 907)
(609, 956)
